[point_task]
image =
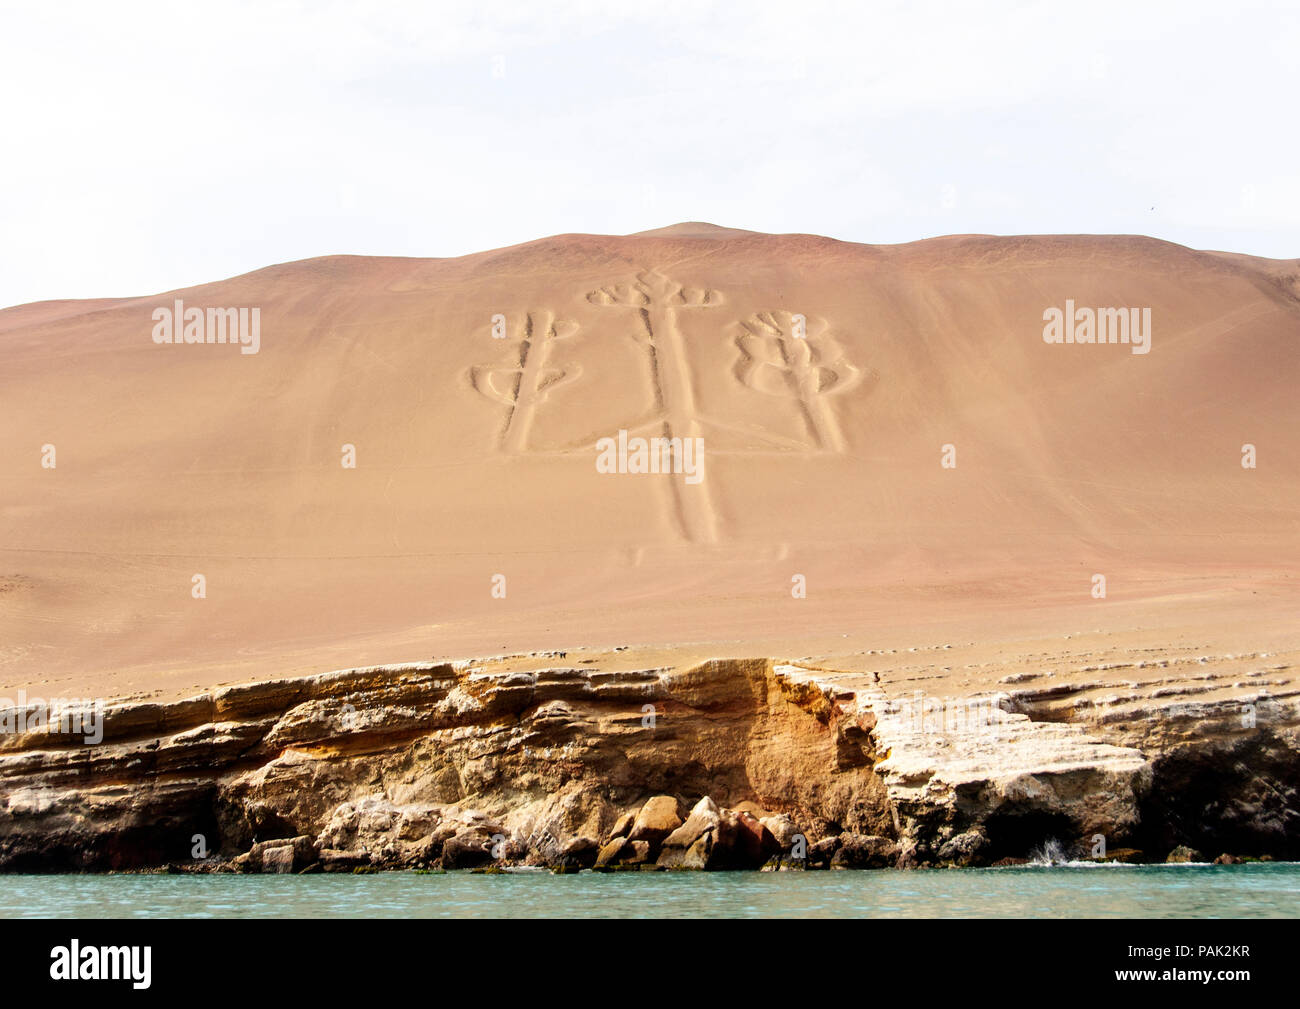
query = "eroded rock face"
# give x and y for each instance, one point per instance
(461, 765)
(421, 764)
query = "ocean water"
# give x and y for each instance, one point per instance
(1257, 890)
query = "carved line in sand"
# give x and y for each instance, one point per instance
(522, 385)
(656, 300)
(775, 360)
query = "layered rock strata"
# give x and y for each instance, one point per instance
(724, 764)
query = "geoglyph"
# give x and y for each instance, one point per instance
(782, 355)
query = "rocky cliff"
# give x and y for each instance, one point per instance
(729, 763)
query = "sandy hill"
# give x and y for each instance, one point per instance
(825, 379)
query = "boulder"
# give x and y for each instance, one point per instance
(965, 849)
(305, 850)
(335, 860)
(636, 853)
(782, 828)
(821, 853)
(283, 854)
(278, 859)
(754, 843)
(725, 838)
(1226, 859)
(1184, 854)
(658, 818)
(730, 840)
(697, 856)
(623, 826)
(909, 855)
(864, 851)
(467, 849)
(423, 853)
(444, 832)
(580, 852)
(609, 854)
(703, 817)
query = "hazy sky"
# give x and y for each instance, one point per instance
(153, 146)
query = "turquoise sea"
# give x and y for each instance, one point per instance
(1257, 890)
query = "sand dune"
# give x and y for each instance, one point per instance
(825, 379)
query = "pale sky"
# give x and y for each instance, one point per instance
(151, 146)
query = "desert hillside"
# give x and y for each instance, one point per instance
(829, 383)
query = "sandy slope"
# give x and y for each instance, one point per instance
(1071, 460)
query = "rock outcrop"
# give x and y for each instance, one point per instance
(727, 764)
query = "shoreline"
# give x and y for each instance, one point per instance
(723, 764)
